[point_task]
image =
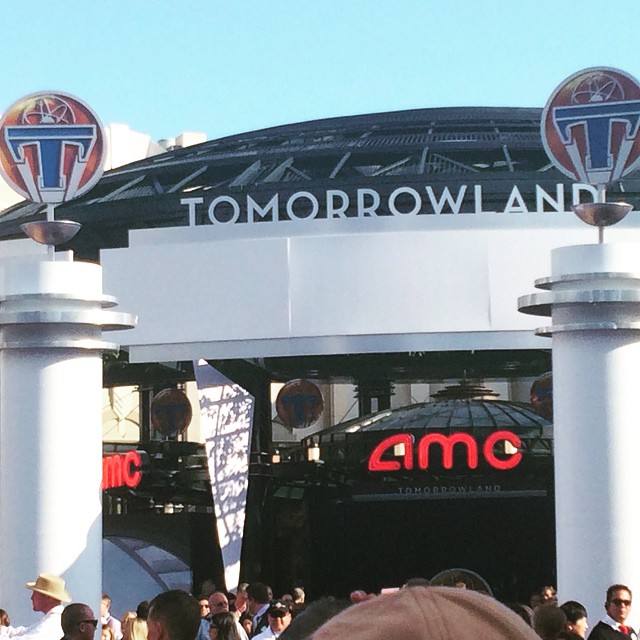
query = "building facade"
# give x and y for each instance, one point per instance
(379, 256)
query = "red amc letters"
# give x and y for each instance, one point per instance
(446, 444)
(121, 469)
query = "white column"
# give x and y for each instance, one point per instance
(52, 316)
(595, 307)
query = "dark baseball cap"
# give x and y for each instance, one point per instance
(278, 609)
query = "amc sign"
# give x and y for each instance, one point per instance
(403, 445)
(121, 470)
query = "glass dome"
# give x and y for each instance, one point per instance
(464, 408)
(450, 414)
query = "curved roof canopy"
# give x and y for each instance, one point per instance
(489, 146)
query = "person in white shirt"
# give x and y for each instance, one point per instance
(108, 619)
(279, 618)
(48, 594)
(618, 607)
(6, 630)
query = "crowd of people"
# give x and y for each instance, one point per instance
(416, 610)
(569, 621)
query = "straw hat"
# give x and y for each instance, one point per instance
(50, 585)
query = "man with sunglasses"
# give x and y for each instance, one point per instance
(205, 609)
(218, 603)
(618, 607)
(279, 618)
(78, 622)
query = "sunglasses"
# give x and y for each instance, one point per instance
(618, 602)
(93, 622)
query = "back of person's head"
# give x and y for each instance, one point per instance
(298, 594)
(73, 614)
(522, 610)
(135, 629)
(573, 610)
(259, 592)
(142, 610)
(548, 621)
(225, 623)
(313, 617)
(126, 615)
(177, 612)
(425, 613)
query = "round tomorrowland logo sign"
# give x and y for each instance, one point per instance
(52, 147)
(299, 404)
(171, 412)
(590, 125)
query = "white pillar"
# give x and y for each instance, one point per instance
(595, 307)
(51, 316)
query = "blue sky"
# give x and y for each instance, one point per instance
(224, 66)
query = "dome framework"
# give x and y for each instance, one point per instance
(492, 147)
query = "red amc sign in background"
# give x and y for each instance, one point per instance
(121, 470)
(445, 445)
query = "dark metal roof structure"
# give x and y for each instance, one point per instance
(490, 146)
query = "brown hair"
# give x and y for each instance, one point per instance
(617, 587)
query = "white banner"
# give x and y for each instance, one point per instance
(226, 418)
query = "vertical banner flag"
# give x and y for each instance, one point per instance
(226, 418)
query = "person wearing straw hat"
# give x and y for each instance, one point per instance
(47, 595)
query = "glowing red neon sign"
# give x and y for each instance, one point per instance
(121, 470)
(446, 444)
